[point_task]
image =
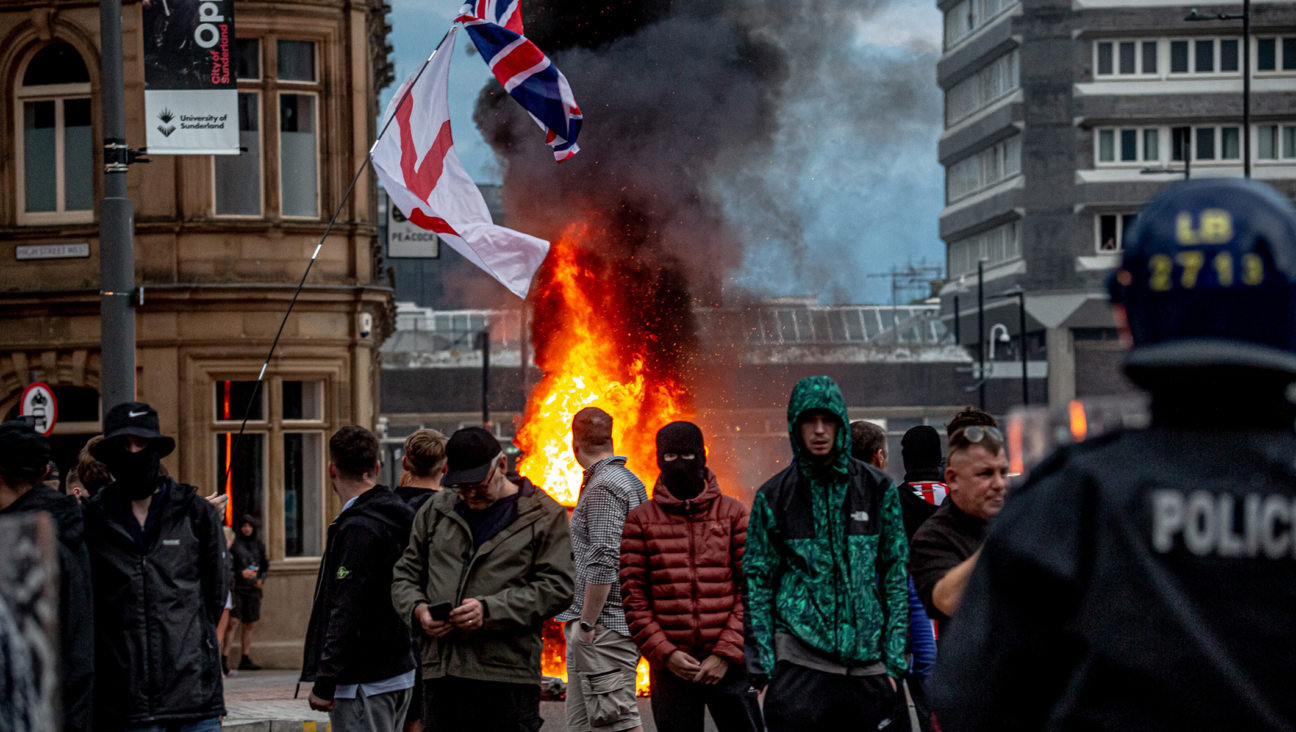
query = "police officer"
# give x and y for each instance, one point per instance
(1146, 579)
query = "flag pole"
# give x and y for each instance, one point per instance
(247, 413)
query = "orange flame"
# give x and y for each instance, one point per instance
(589, 361)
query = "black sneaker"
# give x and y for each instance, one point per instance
(246, 665)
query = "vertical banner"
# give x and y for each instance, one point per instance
(190, 89)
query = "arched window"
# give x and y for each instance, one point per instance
(55, 146)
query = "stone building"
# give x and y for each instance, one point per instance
(1062, 117)
(220, 243)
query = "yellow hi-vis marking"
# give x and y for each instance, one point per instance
(1214, 227)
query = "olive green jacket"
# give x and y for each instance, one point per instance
(522, 576)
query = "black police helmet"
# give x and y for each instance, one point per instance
(1208, 279)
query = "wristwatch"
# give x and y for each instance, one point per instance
(586, 627)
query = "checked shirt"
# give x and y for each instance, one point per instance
(609, 491)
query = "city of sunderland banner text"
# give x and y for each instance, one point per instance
(190, 90)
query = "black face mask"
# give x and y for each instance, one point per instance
(684, 479)
(135, 472)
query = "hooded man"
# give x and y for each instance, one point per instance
(249, 566)
(825, 567)
(24, 453)
(161, 576)
(681, 584)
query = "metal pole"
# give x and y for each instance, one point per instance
(1021, 315)
(1246, 87)
(485, 349)
(1187, 152)
(957, 340)
(981, 382)
(116, 224)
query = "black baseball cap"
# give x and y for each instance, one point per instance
(21, 447)
(469, 455)
(133, 418)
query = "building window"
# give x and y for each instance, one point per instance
(1205, 143)
(55, 145)
(1230, 143)
(298, 153)
(1276, 142)
(984, 169)
(982, 89)
(296, 61)
(238, 177)
(1125, 58)
(241, 183)
(286, 426)
(1229, 55)
(1267, 54)
(247, 59)
(1110, 231)
(996, 246)
(1179, 57)
(1205, 56)
(969, 16)
(1129, 145)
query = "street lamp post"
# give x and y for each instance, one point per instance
(116, 224)
(1020, 294)
(981, 346)
(1245, 17)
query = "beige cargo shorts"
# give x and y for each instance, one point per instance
(601, 681)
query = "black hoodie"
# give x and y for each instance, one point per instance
(76, 608)
(247, 552)
(355, 636)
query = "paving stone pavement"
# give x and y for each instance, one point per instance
(262, 701)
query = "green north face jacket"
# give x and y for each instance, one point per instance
(826, 551)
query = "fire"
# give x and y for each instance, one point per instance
(601, 340)
(593, 353)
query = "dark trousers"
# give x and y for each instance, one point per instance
(462, 705)
(678, 705)
(801, 699)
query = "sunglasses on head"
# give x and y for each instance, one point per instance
(977, 433)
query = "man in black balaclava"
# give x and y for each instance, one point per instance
(158, 562)
(683, 597)
(681, 456)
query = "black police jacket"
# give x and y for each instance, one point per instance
(355, 635)
(1145, 580)
(157, 658)
(76, 611)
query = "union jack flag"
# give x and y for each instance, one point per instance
(495, 27)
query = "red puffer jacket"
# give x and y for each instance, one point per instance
(681, 562)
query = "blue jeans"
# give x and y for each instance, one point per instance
(205, 725)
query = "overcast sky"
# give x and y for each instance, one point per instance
(869, 201)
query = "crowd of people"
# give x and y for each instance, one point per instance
(1142, 580)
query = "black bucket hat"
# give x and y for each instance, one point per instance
(137, 419)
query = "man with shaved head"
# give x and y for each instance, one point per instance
(601, 655)
(945, 549)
